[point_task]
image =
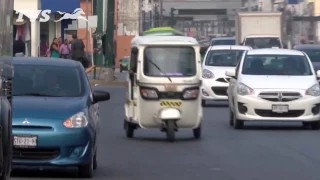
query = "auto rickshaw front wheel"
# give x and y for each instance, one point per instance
(170, 130)
(129, 128)
(197, 132)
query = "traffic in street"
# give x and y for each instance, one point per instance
(261, 151)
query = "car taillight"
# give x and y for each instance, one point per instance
(190, 94)
(147, 93)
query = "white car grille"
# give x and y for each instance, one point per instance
(280, 96)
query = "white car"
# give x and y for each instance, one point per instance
(217, 61)
(274, 85)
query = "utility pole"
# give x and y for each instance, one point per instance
(161, 13)
(87, 28)
(110, 57)
(98, 56)
(172, 20)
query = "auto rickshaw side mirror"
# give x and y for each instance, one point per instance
(135, 50)
(231, 74)
(203, 50)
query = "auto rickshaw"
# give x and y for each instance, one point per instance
(164, 83)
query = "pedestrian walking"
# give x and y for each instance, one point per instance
(77, 49)
(19, 47)
(65, 50)
(54, 48)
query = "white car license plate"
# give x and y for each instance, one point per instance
(280, 108)
(25, 141)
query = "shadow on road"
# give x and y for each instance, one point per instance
(58, 173)
(163, 139)
(216, 105)
(276, 127)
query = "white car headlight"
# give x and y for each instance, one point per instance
(313, 90)
(207, 74)
(78, 120)
(243, 89)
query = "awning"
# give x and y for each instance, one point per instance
(60, 5)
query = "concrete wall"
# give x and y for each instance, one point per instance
(123, 47)
(82, 31)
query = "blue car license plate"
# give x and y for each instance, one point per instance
(25, 141)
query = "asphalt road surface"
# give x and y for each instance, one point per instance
(263, 151)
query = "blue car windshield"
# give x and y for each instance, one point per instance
(43, 80)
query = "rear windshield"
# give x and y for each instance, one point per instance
(223, 42)
(313, 54)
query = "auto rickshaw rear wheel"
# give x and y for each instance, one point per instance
(171, 128)
(230, 118)
(203, 103)
(95, 161)
(129, 127)
(197, 132)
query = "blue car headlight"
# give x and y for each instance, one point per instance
(78, 120)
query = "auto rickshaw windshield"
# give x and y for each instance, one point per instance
(170, 61)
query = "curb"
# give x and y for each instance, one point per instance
(94, 82)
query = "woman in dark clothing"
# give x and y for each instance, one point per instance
(54, 48)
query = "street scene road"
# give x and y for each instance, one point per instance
(262, 151)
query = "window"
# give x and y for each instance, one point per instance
(289, 65)
(313, 54)
(223, 42)
(223, 57)
(259, 43)
(169, 61)
(47, 80)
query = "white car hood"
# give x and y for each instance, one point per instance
(219, 69)
(278, 82)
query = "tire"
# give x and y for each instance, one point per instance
(237, 124)
(170, 131)
(315, 125)
(95, 161)
(129, 129)
(120, 69)
(197, 132)
(203, 103)
(230, 118)
(306, 124)
(86, 171)
(6, 141)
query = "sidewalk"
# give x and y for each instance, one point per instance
(120, 78)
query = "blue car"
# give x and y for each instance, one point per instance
(55, 115)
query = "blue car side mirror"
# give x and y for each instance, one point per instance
(100, 95)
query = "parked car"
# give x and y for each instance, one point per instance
(124, 62)
(55, 117)
(274, 85)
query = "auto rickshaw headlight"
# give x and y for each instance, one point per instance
(190, 94)
(149, 93)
